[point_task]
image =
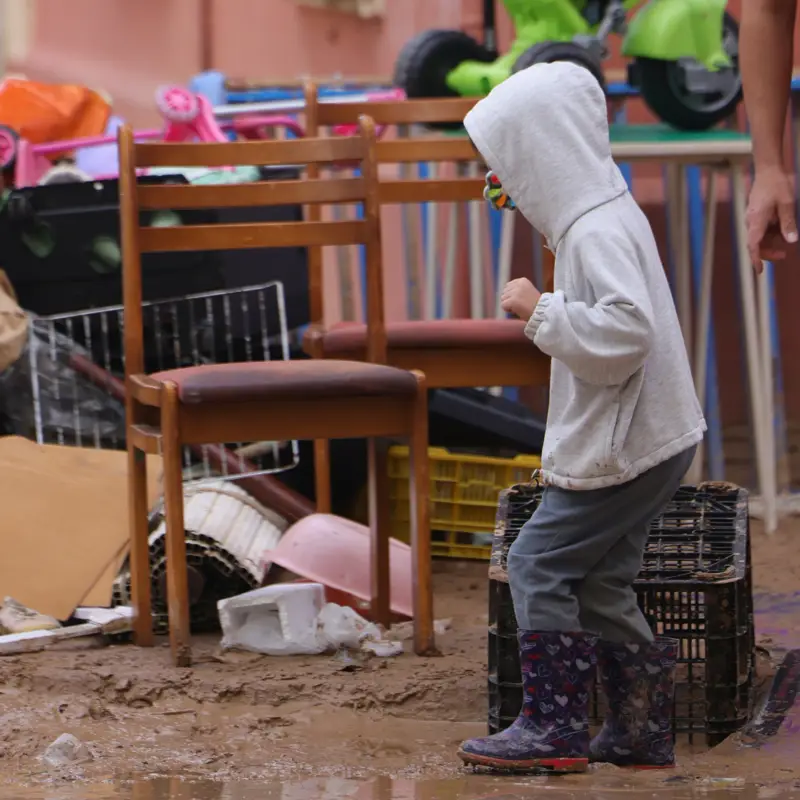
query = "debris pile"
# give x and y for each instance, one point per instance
(227, 535)
(293, 619)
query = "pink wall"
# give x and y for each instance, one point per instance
(129, 48)
(283, 39)
(125, 48)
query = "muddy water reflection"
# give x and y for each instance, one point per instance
(596, 787)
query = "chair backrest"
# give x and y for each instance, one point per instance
(431, 148)
(308, 153)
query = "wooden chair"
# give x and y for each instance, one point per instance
(268, 400)
(451, 352)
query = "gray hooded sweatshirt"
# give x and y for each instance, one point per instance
(622, 397)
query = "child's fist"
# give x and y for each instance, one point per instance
(520, 297)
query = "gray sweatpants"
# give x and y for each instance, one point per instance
(574, 562)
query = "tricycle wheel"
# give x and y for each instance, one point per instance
(9, 144)
(548, 52)
(426, 60)
(177, 104)
(674, 89)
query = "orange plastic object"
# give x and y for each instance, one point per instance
(42, 112)
(335, 552)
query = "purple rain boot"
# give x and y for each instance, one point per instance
(552, 731)
(639, 682)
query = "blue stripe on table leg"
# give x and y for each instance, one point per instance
(362, 260)
(423, 172)
(716, 457)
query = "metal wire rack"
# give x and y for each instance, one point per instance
(69, 389)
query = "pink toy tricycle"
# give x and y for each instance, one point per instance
(251, 121)
(187, 117)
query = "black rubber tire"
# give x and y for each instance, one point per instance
(426, 60)
(548, 52)
(657, 80)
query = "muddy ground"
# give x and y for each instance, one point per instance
(245, 717)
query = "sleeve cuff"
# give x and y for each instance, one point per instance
(537, 318)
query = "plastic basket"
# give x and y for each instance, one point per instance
(463, 497)
(695, 585)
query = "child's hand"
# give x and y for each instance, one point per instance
(520, 297)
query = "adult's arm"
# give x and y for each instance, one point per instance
(766, 58)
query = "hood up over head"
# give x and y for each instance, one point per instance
(544, 132)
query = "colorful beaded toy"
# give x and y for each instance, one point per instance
(495, 195)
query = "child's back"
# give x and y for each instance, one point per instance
(621, 394)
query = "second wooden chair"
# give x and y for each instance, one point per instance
(266, 400)
(451, 352)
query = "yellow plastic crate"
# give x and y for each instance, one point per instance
(463, 497)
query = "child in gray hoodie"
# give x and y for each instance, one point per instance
(622, 429)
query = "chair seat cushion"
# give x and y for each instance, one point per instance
(350, 337)
(273, 380)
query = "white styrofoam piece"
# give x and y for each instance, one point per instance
(31, 641)
(98, 621)
(28, 642)
(341, 626)
(111, 620)
(274, 620)
(293, 619)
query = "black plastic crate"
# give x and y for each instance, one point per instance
(71, 278)
(695, 585)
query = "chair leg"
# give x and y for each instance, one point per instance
(419, 491)
(322, 475)
(177, 578)
(322, 447)
(380, 527)
(139, 550)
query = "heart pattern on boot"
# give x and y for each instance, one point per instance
(557, 675)
(639, 685)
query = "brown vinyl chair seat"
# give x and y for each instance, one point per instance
(347, 338)
(286, 380)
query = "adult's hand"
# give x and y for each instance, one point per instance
(771, 221)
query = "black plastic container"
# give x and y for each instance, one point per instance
(695, 585)
(70, 277)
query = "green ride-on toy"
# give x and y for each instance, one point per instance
(685, 53)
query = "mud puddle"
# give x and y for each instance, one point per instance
(597, 786)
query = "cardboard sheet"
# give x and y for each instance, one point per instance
(63, 522)
(13, 324)
(100, 594)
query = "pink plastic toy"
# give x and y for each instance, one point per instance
(187, 117)
(335, 552)
(9, 146)
(180, 107)
(32, 163)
